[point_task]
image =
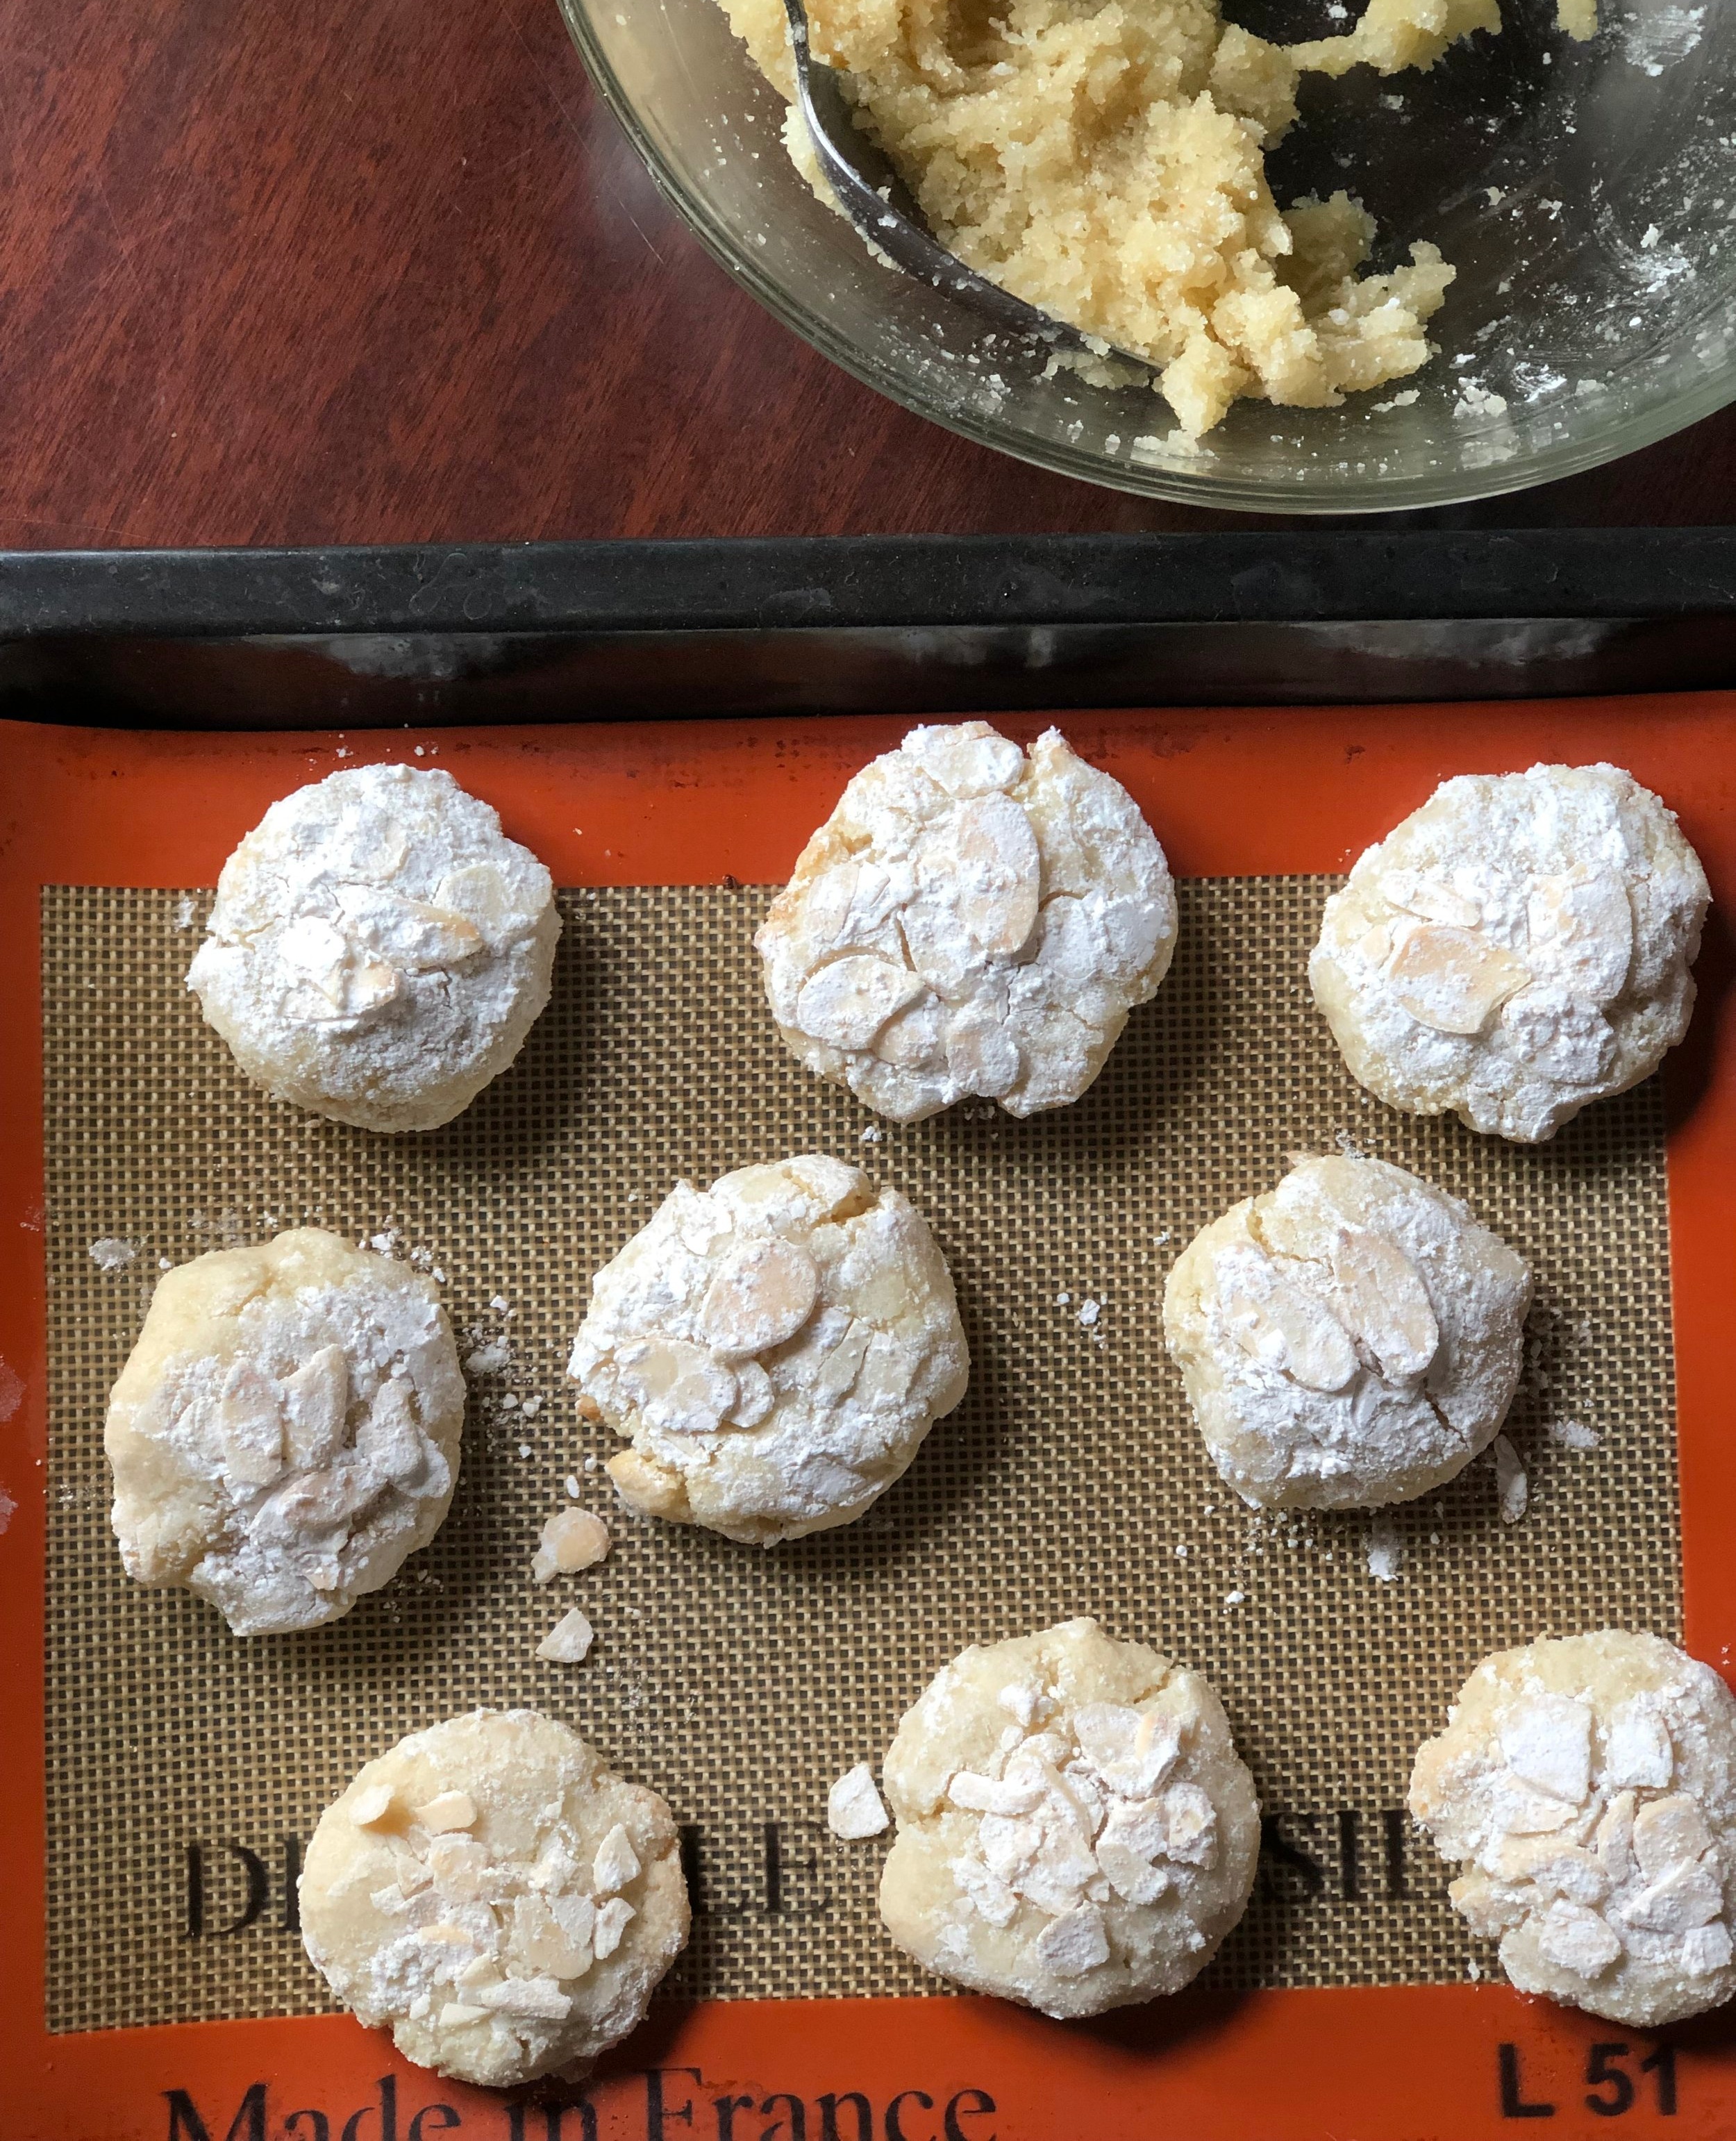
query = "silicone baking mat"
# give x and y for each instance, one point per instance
(150, 1889)
(739, 1682)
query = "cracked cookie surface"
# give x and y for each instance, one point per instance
(286, 1430)
(379, 949)
(970, 920)
(1076, 1830)
(775, 1347)
(494, 1897)
(1351, 1338)
(1587, 1786)
(1517, 947)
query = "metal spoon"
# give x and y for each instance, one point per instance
(880, 203)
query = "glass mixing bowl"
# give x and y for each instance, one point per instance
(1584, 193)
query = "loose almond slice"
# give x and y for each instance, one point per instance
(568, 1640)
(762, 1295)
(572, 1539)
(1384, 1302)
(1452, 981)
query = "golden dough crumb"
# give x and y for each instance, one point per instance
(1104, 160)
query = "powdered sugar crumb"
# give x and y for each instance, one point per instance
(112, 1252)
(1386, 1549)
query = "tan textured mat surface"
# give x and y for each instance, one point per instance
(739, 1683)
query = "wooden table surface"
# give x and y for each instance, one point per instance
(293, 271)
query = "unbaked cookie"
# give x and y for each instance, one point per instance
(286, 1430)
(1515, 948)
(1351, 1338)
(1076, 1828)
(775, 1347)
(1587, 1785)
(969, 921)
(379, 949)
(496, 1898)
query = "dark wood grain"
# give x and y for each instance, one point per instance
(290, 271)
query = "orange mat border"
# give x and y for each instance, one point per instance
(1229, 792)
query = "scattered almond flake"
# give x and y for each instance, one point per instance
(1088, 1312)
(872, 1135)
(1162, 1241)
(1512, 1489)
(1063, 1300)
(1573, 1435)
(530, 1407)
(490, 1358)
(112, 1252)
(572, 1539)
(573, 1484)
(385, 1243)
(568, 1640)
(1235, 1598)
(1386, 1548)
(371, 1804)
(854, 1809)
(1181, 1551)
(446, 1811)
(499, 1304)
(592, 1463)
(186, 910)
(524, 1449)
(1473, 1970)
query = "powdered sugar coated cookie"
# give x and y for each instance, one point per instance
(495, 1898)
(776, 1348)
(286, 1430)
(970, 920)
(1076, 1828)
(1515, 948)
(1588, 1787)
(1350, 1338)
(378, 949)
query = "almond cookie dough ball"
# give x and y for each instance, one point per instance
(379, 949)
(775, 1347)
(1516, 948)
(1351, 1338)
(1588, 1787)
(1076, 1828)
(496, 1898)
(286, 1431)
(969, 920)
